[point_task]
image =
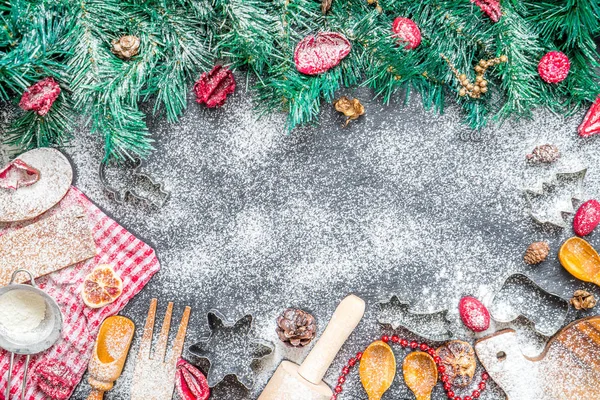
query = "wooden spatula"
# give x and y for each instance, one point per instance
(420, 374)
(110, 353)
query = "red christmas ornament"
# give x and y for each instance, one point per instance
(55, 379)
(17, 174)
(474, 314)
(587, 218)
(591, 123)
(213, 87)
(190, 382)
(490, 7)
(407, 32)
(317, 54)
(40, 96)
(554, 67)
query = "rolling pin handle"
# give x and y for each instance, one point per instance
(345, 318)
(96, 395)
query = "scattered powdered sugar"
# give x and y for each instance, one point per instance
(402, 202)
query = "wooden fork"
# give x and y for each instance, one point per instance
(154, 374)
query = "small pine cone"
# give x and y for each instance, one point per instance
(545, 153)
(536, 253)
(296, 327)
(126, 46)
(583, 300)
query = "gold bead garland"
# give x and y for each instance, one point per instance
(475, 90)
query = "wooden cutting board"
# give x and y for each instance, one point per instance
(46, 246)
(567, 369)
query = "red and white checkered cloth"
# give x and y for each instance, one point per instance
(131, 258)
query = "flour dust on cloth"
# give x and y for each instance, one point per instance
(131, 258)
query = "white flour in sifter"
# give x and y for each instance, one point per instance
(21, 311)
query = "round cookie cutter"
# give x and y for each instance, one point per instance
(49, 330)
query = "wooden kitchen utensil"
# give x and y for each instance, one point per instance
(377, 369)
(110, 353)
(568, 368)
(293, 382)
(579, 258)
(420, 374)
(154, 374)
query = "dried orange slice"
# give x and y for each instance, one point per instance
(101, 287)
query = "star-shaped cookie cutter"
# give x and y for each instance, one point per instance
(231, 348)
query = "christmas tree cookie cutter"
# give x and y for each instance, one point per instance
(134, 184)
(520, 296)
(231, 349)
(543, 188)
(396, 313)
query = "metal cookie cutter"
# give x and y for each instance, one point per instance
(521, 296)
(397, 313)
(136, 184)
(544, 188)
(231, 349)
(42, 338)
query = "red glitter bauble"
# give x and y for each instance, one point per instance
(407, 32)
(317, 54)
(40, 96)
(490, 7)
(554, 67)
(591, 123)
(474, 314)
(212, 88)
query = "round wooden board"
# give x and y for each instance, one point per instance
(56, 175)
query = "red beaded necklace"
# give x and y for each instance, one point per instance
(414, 346)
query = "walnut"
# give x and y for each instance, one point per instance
(583, 300)
(536, 253)
(459, 359)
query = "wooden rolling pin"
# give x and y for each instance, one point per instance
(110, 353)
(292, 382)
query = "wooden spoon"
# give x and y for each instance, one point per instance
(110, 353)
(377, 369)
(420, 374)
(579, 258)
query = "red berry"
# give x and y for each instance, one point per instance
(442, 369)
(447, 386)
(591, 123)
(481, 385)
(352, 362)
(450, 394)
(468, 398)
(587, 218)
(431, 352)
(457, 398)
(474, 314)
(213, 87)
(423, 347)
(395, 339)
(414, 345)
(407, 32)
(476, 394)
(385, 339)
(338, 389)
(491, 8)
(40, 96)
(333, 397)
(437, 359)
(445, 378)
(345, 371)
(358, 356)
(404, 343)
(554, 67)
(485, 376)
(341, 380)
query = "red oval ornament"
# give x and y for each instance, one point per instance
(474, 314)
(407, 32)
(554, 67)
(190, 382)
(587, 218)
(317, 54)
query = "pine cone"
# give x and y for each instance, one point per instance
(126, 46)
(583, 300)
(536, 253)
(545, 153)
(296, 327)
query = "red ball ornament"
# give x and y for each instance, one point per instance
(554, 67)
(591, 123)
(40, 96)
(474, 314)
(490, 7)
(317, 54)
(407, 32)
(212, 88)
